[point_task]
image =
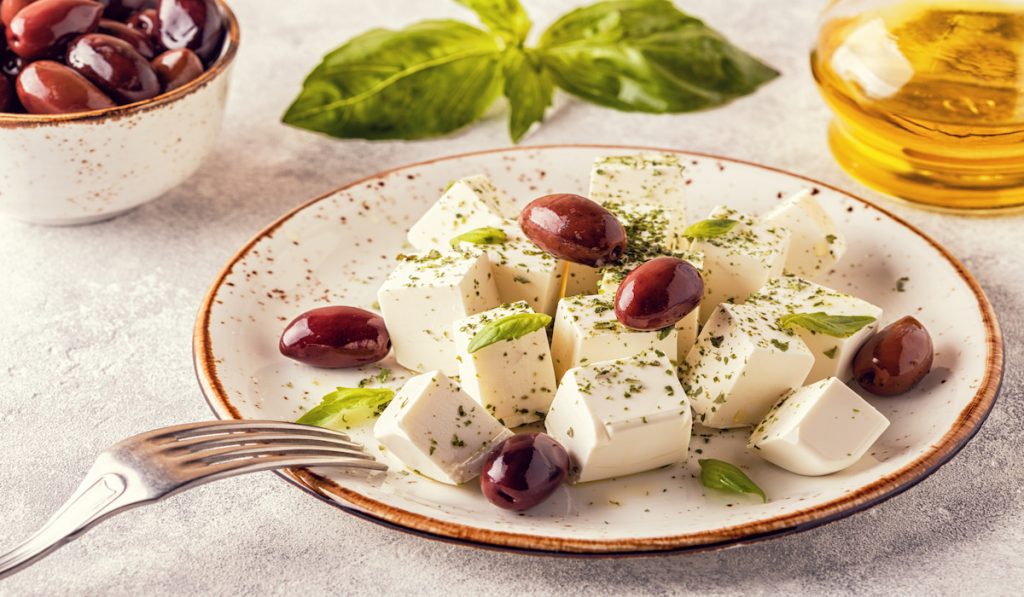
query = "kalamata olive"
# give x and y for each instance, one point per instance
(48, 87)
(895, 359)
(11, 64)
(6, 93)
(658, 293)
(574, 228)
(194, 24)
(523, 471)
(177, 67)
(336, 337)
(138, 40)
(42, 29)
(145, 22)
(114, 66)
(121, 9)
(9, 8)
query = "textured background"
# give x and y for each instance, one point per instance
(95, 345)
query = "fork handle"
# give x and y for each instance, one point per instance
(98, 497)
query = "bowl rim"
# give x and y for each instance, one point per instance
(968, 423)
(228, 53)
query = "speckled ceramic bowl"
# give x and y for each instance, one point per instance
(80, 168)
(338, 249)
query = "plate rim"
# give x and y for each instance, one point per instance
(967, 424)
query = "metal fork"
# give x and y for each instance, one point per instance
(148, 467)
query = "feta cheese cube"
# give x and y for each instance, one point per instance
(587, 331)
(742, 362)
(818, 429)
(513, 379)
(423, 297)
(815, 242)
(436, 430)
(522, 271)
(469, 203)
(621, 417)
(739, 262)
(580, 279)
(687, 327)
(653, 178)
(833, 357)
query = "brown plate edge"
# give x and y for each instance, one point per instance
(966, 426)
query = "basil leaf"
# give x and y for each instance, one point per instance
(665, 331)
(346, 407)
(709, 228)
(428, 79)
(481, 236)
(504, 17)
(837, 326)
(646, 55)
(510, 327)
(529, 91)
(718, 474)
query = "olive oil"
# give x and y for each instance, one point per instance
(929, 99)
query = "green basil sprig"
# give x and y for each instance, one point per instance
(718, 474)
(435, 77)
(511, 327)
(481, 236)
(709, 228)
(345, 407)
(837, 326)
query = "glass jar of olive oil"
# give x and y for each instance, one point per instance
(928, 96)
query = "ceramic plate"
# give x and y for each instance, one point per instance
(337, 249)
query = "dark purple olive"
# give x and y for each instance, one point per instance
(138, 40)
(9, 8)
(895, 359)
(121, 9)
(523, 471)
(144, 21)
(11, 64)
(574, 228)
(114, 66)
(42, 29)
(47, 87)
(336, 337)
(194, 24)
(658, 293)
(177, 67)
(6, 94)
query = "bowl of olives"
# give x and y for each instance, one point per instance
(107, 104)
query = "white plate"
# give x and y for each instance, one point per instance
(338, 248)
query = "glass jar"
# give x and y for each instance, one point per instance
(928, 97)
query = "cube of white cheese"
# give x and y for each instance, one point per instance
(818, 429)
(653, 178)
(513, 379)
(816, 244)
(587, 331)
(740, 366)
(688, 327)
(469, 203)
(522, 271)
(424, 295)
(833, 357)
(580, 279)
(621, 417)
(438, 431)
(739, 262)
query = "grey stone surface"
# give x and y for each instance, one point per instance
(96, 337)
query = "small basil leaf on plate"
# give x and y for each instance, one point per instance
(646, 55)
(709, 228)
(529, 91)
(345, 407)
(837, 326)
(508, 328)
(481, 236)
(504, 17)
(428, 79)
(718, 474)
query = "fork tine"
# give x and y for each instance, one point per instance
(217, 455)
(201, 442)
(252, 465)
(178, 432)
